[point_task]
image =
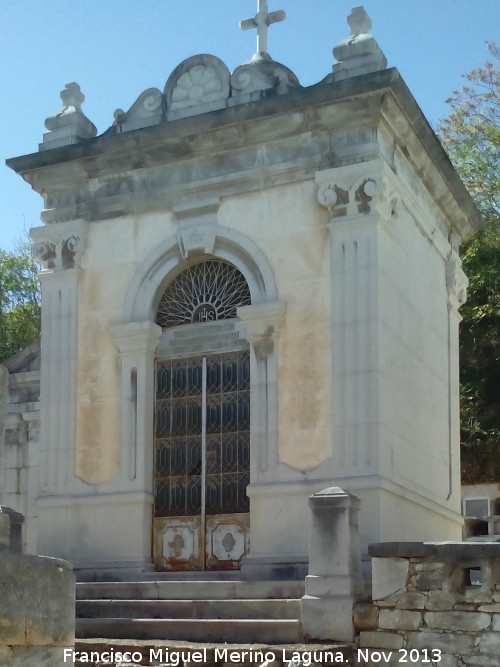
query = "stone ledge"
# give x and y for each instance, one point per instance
(444, 551)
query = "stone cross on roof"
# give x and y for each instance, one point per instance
(263, 19)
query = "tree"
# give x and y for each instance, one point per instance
(19, 300)
(471, 135)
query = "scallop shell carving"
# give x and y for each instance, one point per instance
(198, 83)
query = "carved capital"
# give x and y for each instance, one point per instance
(261, 323)
(356, 190)
(135, 337)
(456, 283)
(59, 246)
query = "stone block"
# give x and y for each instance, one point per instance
(429, 567)
(457, 620)
(495, 624)
(412, 600)
(491, 608)
(37, 597)
(479, 661)
(446, 661)
(490, 643)
(327, 618)
(440, 601)
(447, 642)
(399, 619)
(383, 640)
(389, 577)
(32, 656)
(365, 616)
(425, 581)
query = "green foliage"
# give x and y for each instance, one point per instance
(471, 134)
(19, 301)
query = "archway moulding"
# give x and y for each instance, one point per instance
(160, 266)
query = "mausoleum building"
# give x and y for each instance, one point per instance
(250, 292)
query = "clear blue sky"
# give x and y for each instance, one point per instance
(116, 49)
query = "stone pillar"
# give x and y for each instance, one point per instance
(334, 580)
(58, 248)
(4, 531)
(4, 519)
(4, 388)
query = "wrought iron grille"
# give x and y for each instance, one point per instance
(205, 292)
(200, 415)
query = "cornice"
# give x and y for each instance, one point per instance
(276, 140)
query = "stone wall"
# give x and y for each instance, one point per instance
(432, 604)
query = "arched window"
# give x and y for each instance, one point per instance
(205, 292)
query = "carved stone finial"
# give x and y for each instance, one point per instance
(71, 96)
(262, 20)
(69, 125)
(359, 53)
(359, 21)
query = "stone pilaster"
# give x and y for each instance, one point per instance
(137, 342)
(261, 323)
(360, 204)
(456, 285)
(58, 248)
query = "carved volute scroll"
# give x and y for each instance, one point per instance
(59, 246)
(147, 110)
(356, 190)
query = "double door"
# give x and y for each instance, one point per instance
(202, 462)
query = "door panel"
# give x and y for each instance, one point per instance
(202, 461)
(178, 543)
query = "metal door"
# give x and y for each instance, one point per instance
(202, 462)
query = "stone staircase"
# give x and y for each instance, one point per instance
(106, 653)
(181, 609)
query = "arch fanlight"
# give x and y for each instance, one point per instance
(205, 292)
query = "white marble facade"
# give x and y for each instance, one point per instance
(338, 206)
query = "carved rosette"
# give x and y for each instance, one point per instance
(59, 246)
(456, 283)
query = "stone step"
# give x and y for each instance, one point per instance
(199, 630)
(156, 652)
(189, 609)
(189, 590)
